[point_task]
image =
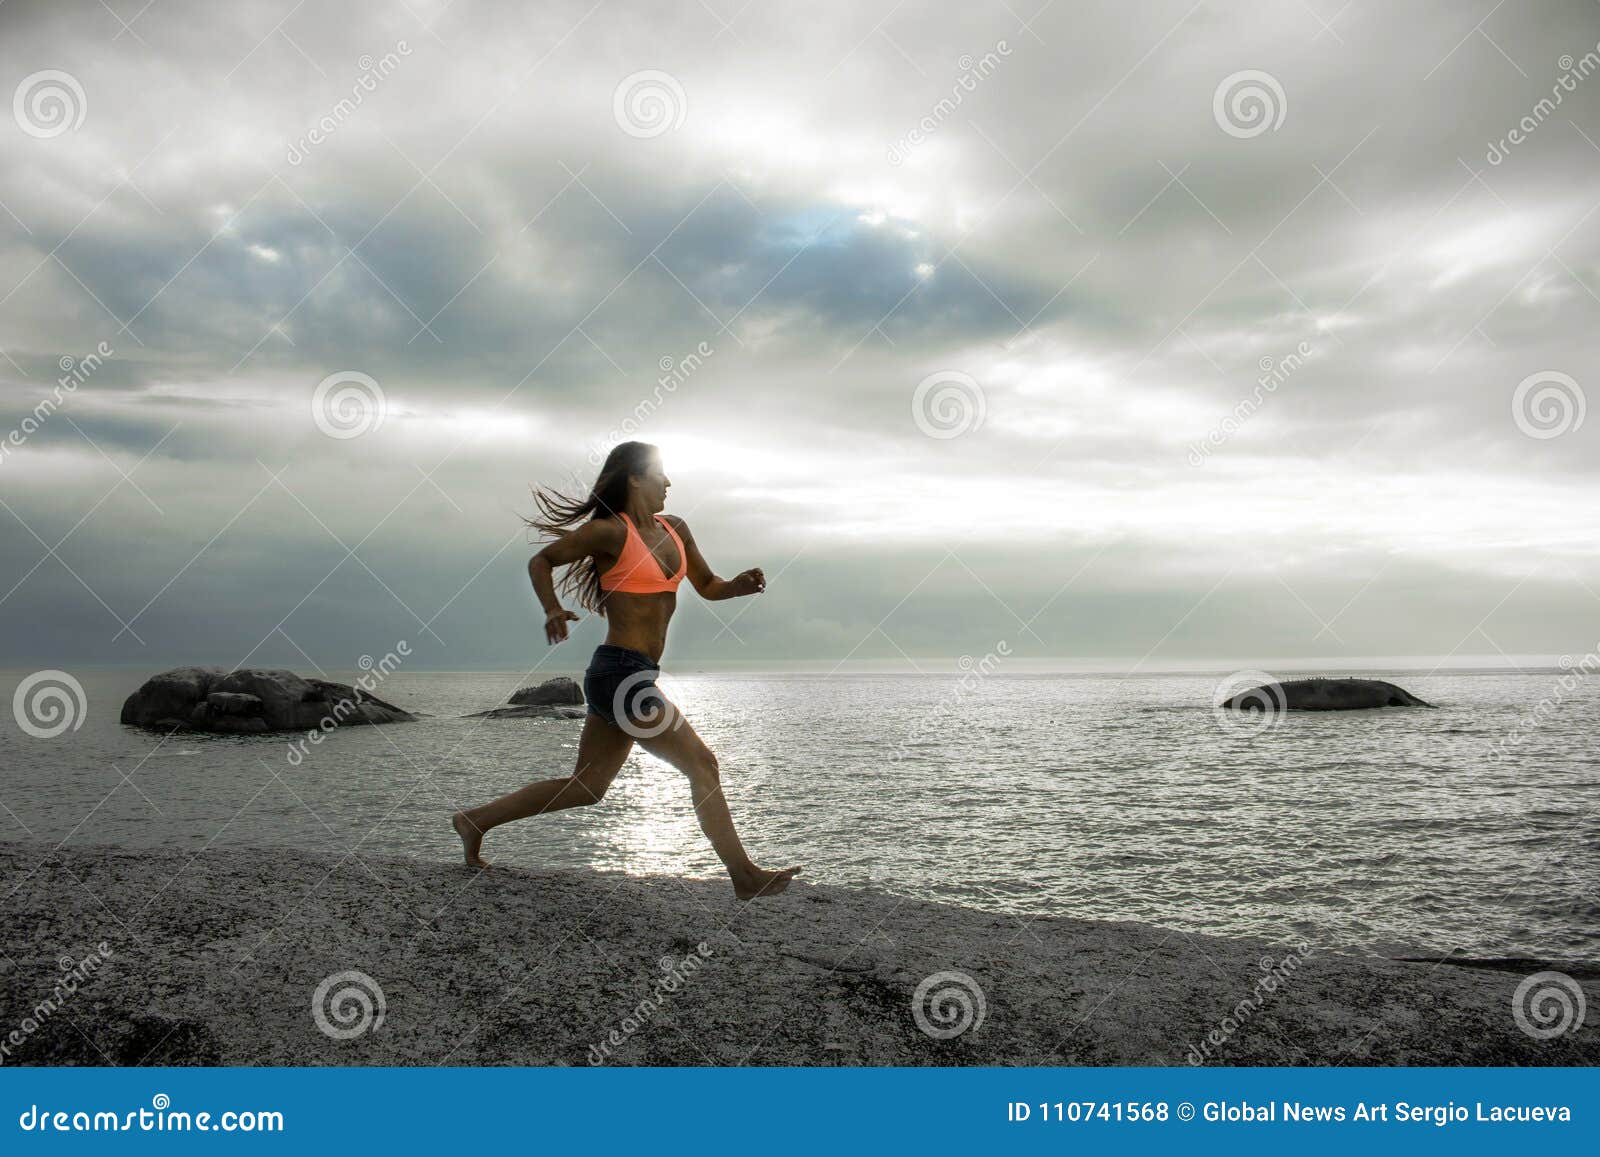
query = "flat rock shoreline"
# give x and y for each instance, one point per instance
(217, 958)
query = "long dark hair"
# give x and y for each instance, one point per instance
(607, 497)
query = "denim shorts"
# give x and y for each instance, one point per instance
(622, 681)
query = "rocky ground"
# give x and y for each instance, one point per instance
(218, 959)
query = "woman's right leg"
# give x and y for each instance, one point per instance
(602, 750)
(680, 745)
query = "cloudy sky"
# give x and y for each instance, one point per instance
(968, 309)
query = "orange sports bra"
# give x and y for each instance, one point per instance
(638, 572)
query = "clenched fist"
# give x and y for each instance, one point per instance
(750, 582)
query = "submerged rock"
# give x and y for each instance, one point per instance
(1322, 694)
(251, 700)
(530, 711)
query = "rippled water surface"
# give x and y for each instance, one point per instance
(1100, 797)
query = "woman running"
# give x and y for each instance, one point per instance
(626, 562)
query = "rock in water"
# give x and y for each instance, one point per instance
(1324, 695)
(251, 700)
(558, 698)
(529, 711)
(557, 692)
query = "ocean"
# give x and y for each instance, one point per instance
(1469, 828)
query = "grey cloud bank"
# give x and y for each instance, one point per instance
(482, 237)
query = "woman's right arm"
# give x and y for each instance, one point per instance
(597, 536)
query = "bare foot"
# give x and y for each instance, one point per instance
(762, 882)
(471, 839)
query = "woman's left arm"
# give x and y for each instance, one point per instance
(710, 587)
